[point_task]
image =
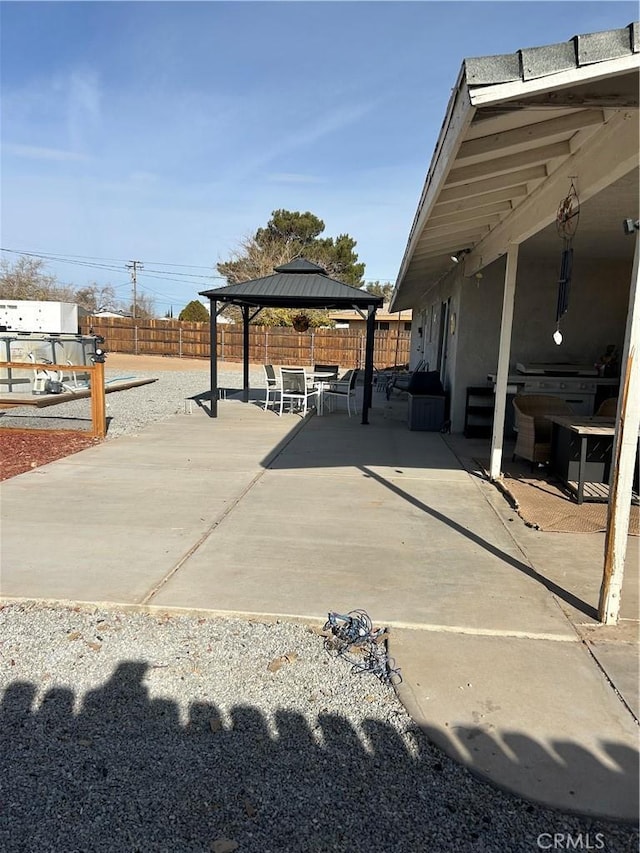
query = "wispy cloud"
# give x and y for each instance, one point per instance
(37, 152)
(293, 178)
(82, 94)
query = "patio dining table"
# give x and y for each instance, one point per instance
(319, 378)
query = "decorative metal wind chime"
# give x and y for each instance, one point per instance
(567, 219)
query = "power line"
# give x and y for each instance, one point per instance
(93, 258)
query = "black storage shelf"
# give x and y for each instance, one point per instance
(478, 413)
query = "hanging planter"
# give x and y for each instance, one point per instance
(300, 322)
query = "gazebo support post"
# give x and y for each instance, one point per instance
(368, 364)
(245, 353)
(213, 356)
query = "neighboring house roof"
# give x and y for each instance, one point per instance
(382, 313)
(298, 284)
(518, 128)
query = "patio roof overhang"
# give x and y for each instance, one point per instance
(297, 284)
(518, 129)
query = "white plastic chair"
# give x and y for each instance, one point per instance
(293, 387)
(344, 389)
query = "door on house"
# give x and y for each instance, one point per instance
(443, 338)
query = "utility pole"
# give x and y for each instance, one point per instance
(134, 266)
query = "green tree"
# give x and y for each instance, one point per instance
(194, 312)
(378, 289)
(288, 235)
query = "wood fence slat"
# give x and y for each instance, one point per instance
(267, 345)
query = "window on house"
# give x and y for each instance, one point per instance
(407, 326)
(382, 326)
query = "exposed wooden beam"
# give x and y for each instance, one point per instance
(509, 179)
(594, 168)
(494, 166)
(460, 238)
(466, 203)
(562, 99)
(435, 230)
(469, 214)
(529, 133)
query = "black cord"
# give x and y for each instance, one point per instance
(354, 639)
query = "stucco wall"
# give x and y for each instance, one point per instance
(596, 318)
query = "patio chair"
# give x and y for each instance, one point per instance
(327, 368)
(534, 430)
(273, 386)
(345, 389)
(293, 387)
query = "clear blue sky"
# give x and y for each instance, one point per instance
(167, 131)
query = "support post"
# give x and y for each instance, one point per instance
(504, 352)
(213, 357)
(368, 364)
(624, 460)
(245, 353)
(98, 404)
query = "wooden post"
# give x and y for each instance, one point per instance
(623, 462)
(502, 378)
(98, 404)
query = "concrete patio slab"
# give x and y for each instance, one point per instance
(534, 715)
(253, 513)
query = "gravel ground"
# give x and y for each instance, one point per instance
(126, 731)
(129, 411)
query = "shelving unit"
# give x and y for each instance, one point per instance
(478, 412)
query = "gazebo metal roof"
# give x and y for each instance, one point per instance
(297, 284)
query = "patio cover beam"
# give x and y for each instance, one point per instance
(594, 169)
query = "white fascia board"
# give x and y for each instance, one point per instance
(459, 116)
(487, 95)
(594, 167)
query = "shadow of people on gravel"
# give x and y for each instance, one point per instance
(117, 770)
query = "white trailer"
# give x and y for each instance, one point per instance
(17, 315)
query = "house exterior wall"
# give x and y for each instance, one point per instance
(596, 317)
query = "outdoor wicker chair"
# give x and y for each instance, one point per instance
(608, 408)
(534, 430)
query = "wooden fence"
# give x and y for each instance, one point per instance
(267, 345)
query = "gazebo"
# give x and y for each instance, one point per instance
(297, 284)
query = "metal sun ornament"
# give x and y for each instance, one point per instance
(567, 218)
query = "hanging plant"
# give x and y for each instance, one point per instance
(300, 322)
